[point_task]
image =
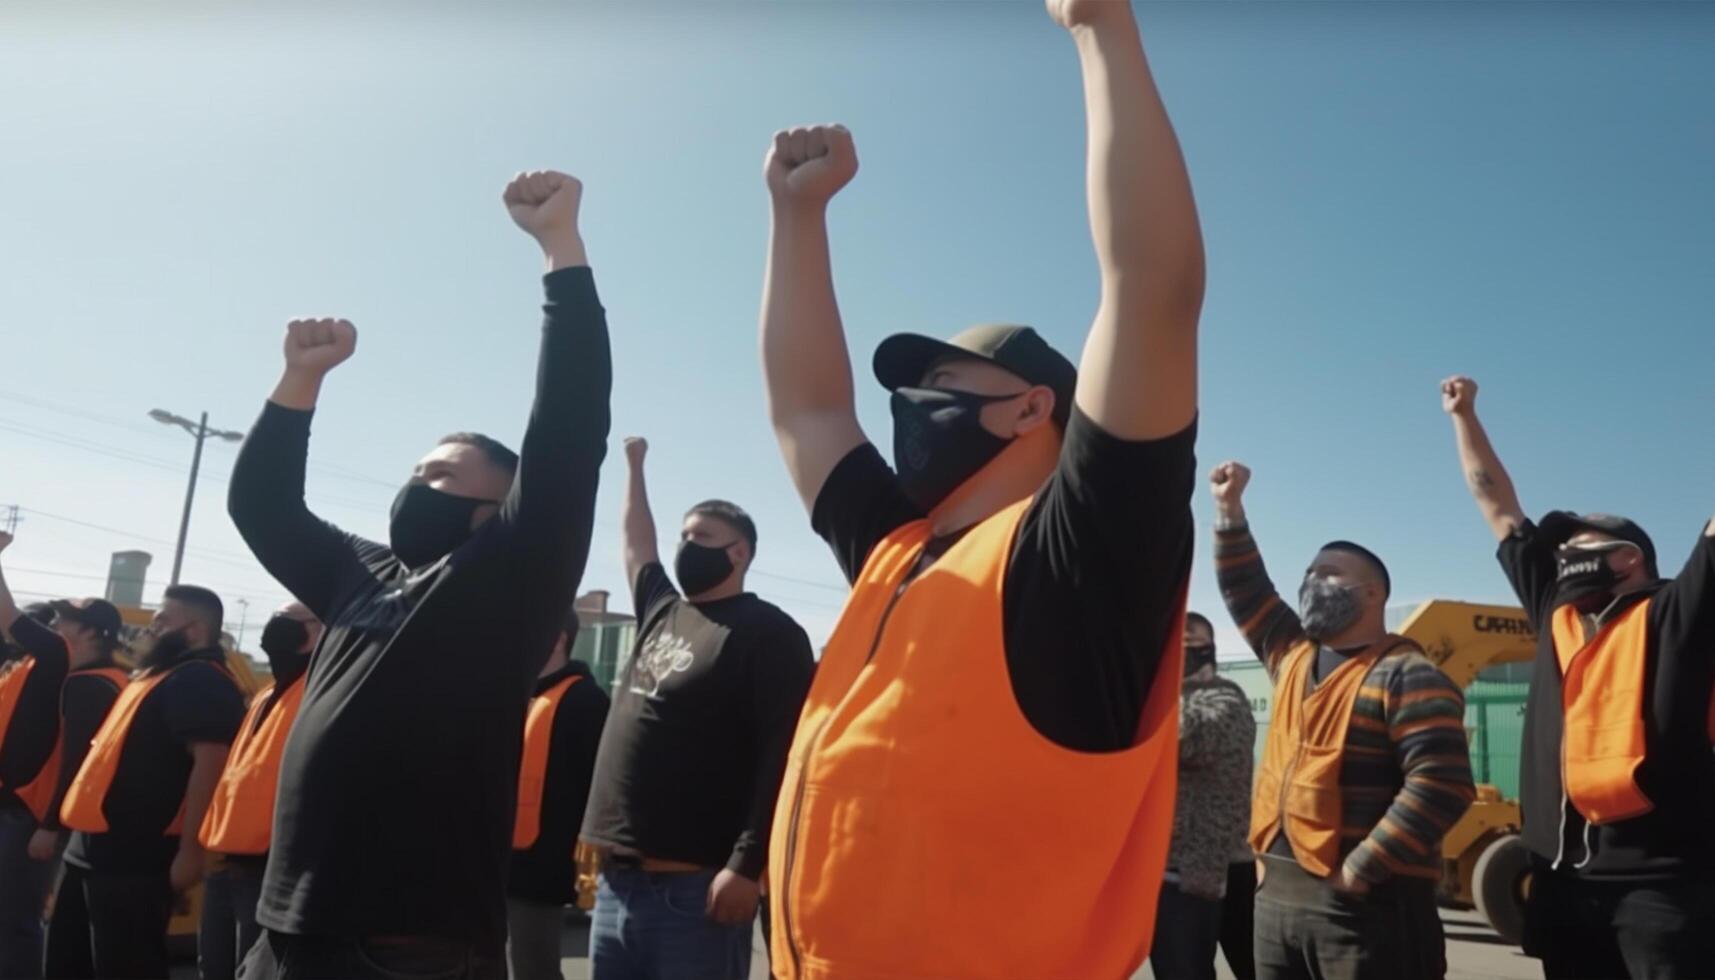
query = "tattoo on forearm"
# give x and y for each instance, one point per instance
(1480, 479)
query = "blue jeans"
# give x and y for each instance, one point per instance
(653, 927)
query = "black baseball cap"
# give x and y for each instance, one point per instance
(1561, 525)
(97, 614)
(903, 359)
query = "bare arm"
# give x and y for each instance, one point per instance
(805, 363)
(207, 761)
(641, 547)
(1490, 485)
(1138, 376)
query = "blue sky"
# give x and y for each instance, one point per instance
(1391, 192)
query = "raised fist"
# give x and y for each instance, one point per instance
(1228, 483)
(810, 164)
(1078, 13)
(1458, 395)
(319, 346)
(636, 448)
(5, 540)
(544, 202)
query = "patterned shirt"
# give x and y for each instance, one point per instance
(1405, 776)
(1216, 737)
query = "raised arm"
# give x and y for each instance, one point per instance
(805, 363)
(1138, 377)
(309, 556)
(1270, 626)
(552, 502)
(640, 543)
(1490, 485)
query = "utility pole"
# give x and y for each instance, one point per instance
(200, 431)
(11, 518)
(243, 618)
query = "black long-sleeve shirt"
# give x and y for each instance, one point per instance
(29, 739)
(546, 871)
(399, 780)
(82, 705)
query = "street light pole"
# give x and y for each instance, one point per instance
(200, 431)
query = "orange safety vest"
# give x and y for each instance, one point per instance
(1298, 783)
(1602, 693)
(923, 818)
(39, 791)
(533, 768)
(240, 817)
(83, 806)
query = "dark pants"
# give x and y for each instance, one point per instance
(228, 926)
(24, 886)
(1186, 930)
(1238, 936)
(277, 956)
(1307, 931)
(109, 926)
(1657, 929)
(533, 939)
(650, 926)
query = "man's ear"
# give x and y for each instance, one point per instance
(1038, 409)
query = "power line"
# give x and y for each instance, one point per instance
(222, 589)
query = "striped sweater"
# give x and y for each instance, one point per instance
(1405, 776)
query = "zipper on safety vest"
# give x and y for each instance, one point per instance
(1590, 637)
(804, 773)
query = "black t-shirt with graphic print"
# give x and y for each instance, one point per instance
(697, 735)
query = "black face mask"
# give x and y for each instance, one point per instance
(939, 441)
(1197, 657)
(165, 650)
(283, 640)
(700, 568)
(428, 523)
(1585, 579)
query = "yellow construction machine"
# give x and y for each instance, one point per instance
(1486, 866)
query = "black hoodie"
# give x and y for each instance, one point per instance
(1678, 772)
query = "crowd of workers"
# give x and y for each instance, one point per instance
(1014, 758)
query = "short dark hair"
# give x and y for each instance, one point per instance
(732, 514)
(203, 602)
(1201, 620)
(1353, 548)
(494, 449)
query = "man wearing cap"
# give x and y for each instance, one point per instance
(1364, 770)
(56, 685)
(140, 795)
(1617, 780)
(990, 732)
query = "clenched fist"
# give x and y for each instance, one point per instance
(636, 448)
(315, 347)
(1228, 482)
(1080, 13)
(1458, 395)
(810, 164)
(544, 203)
